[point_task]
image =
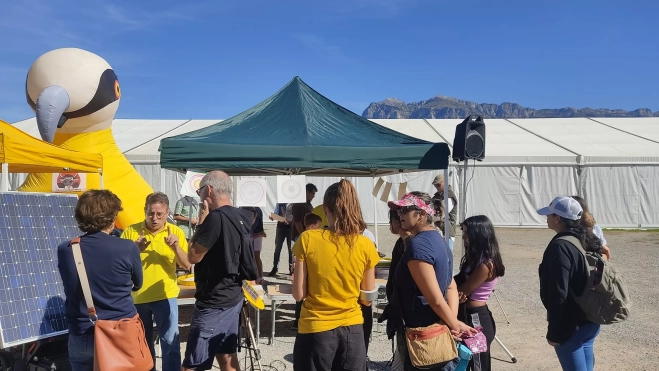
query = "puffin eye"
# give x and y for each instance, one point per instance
(108, 91)
(117, 89)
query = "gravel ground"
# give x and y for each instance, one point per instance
(628, 346)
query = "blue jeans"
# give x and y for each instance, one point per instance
(165, 313)
(81, 351)
(577, 353)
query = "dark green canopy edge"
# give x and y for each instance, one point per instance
(299, 131)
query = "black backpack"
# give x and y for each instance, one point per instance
(246, 254)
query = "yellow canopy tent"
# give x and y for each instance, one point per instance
(22, 153)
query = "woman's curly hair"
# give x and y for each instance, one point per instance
(97, 210)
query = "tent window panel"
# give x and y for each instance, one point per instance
(494, 192)
(613, 196)
(539, 185)
(648, 182)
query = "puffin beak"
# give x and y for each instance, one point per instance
(51, 104)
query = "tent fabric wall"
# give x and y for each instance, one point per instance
(421, 181)
(509, 196)
(648, 186)
(539, 185)
(623, 196)
(494, 191)
(612, 162)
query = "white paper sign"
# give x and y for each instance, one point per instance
(251, 192)
(191, 184)
(291, 189)
(69, 182)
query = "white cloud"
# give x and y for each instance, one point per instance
(373, 8)
(30, 25)
(323, 48)
(30, 28)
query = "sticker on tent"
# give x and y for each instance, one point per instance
(69, 182)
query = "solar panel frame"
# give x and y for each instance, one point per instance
(32, 300)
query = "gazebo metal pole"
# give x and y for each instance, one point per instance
(375, 213)
(447, 234)
(4, 182)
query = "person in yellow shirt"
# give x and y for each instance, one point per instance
(162, 245)
(332, 266)
(318, 210)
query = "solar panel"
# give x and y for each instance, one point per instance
(32, 225)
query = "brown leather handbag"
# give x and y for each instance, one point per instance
(118, 345)
(430, 346)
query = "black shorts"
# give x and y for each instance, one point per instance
(212, 331)
(340, 349)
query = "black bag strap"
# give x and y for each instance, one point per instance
(235, 222)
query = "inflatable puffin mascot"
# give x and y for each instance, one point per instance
(75, 95)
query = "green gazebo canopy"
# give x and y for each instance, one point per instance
(299, 131)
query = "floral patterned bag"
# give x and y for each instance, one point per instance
(476, 343)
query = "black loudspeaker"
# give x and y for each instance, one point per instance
(469, 141)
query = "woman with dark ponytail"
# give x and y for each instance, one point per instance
(563, 273)
(480, 269)
(332, 266)
(588, 222)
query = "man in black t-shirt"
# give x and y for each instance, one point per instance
(224, 257)
(301, 210)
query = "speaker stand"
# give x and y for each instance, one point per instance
(496, 338)
(463, 196)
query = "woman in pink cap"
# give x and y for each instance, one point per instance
(424, 287)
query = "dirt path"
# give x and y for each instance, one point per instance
(628, 346)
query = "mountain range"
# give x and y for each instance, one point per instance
(442, 107)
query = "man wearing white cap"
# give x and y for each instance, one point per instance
(438, 199)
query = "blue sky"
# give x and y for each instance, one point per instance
(214, 59)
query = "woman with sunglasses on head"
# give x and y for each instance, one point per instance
(480, 270)
(399, 249)
(396, 255)
(332, 267)
(424, 284)
(563, 274)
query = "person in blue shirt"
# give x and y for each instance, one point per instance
(113, 268)
(424, 289)
(283, 233)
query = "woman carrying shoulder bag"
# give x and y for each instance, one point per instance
(110, 270)
(424, 288)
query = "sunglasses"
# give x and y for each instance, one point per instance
(406, 209)
(200, 189)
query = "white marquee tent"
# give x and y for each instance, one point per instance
(612, 162)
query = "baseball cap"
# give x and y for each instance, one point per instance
(565, 207)
(438, 179)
